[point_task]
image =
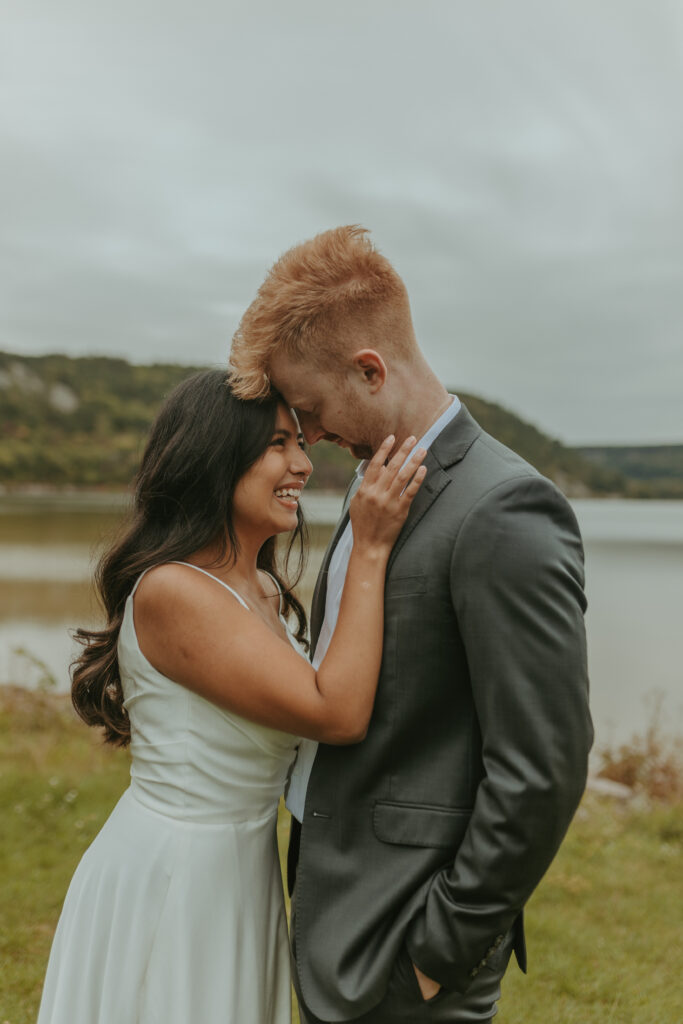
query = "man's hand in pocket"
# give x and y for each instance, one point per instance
(428, 988)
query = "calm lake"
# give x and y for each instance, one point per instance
(634, 568)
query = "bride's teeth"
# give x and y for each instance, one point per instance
(288, 493)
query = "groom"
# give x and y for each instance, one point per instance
(418, 847)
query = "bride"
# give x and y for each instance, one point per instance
(175, 913)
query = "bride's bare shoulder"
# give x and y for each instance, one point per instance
(164, 578)
(173, 586)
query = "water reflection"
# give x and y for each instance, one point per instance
(634, 570)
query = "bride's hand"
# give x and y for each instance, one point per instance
(381, 504)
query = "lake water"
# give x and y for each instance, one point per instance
(634, 570)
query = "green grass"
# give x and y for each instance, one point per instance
(57, 786)
(604, 928)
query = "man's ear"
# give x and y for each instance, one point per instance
(370, 365)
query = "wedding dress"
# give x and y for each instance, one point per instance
(175, 914)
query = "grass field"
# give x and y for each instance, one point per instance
(604, 927)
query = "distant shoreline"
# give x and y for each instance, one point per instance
(605, 519)
(321, 507)
(80, 422)
(120, 497)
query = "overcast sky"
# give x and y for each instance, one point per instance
(521, 164)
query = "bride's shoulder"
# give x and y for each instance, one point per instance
(177, 586)
(163, 579)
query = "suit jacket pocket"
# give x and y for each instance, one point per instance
(420, 825)
(404, 586)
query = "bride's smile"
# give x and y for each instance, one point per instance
(266, 499)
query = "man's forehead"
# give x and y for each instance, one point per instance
(298, 383)
(294, 395)
(282, 371)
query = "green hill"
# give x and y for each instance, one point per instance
(82, 422)
(575, 475)
(654, 467)
(78, 422)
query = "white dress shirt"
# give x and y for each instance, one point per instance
(336, 575)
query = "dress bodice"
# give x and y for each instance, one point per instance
(192, 760)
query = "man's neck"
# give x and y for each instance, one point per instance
(437, 415)
(422, 409)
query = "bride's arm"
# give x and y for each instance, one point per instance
(197, 633)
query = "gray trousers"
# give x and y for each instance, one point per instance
(403, 1002)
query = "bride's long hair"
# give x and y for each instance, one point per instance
(202, 442)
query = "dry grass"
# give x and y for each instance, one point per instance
(650, 764)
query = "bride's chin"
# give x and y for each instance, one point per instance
(282, 526)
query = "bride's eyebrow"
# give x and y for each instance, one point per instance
(282, 431)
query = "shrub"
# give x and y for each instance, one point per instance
(648, 764)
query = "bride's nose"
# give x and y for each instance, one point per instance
(301, 464)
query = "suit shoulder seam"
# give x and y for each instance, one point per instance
(508, 482)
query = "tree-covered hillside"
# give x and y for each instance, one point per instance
(77, 421)
(576, 476)
(658, 467)
(82, 423)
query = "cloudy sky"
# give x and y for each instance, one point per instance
(521, 163)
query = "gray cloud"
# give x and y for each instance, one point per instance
(520, 164)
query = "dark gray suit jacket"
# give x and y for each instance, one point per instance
(435, 829)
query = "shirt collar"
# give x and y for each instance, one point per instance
(429, 436)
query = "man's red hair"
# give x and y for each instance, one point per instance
(314, 290)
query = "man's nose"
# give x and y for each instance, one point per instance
(313, 434)
(310, 428)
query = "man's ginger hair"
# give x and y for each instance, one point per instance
(312, 297)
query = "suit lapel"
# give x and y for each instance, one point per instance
(449, 448)
(432, 486)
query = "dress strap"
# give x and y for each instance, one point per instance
(279, 589)
(139, 579)
(212, 577)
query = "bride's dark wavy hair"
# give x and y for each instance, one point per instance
(201, 444)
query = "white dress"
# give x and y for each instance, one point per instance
(175, 914)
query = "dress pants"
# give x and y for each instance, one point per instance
(403, 1002)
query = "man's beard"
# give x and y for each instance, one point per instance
(362, 451)
(359, 449)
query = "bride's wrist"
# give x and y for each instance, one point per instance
(372, 551)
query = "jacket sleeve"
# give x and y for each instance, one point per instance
(517, 590)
